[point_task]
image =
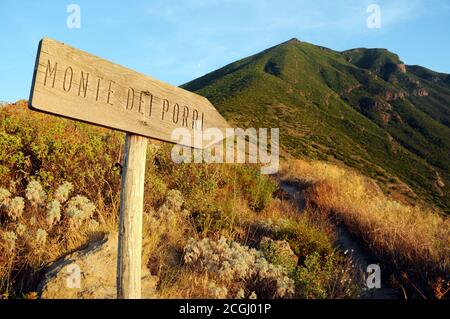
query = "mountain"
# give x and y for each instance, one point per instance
(362, 107)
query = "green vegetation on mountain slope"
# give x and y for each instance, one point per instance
(362, 107)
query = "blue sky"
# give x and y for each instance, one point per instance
(177, 41)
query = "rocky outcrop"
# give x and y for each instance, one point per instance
(353, 87)
(401, 68)
(379, 110)
(294, 40)
(394, 95)
(420, 92)
(400, 95)
(90, 274)
(375, 105)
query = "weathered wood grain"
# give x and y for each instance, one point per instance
(75, 84)
(130, 223)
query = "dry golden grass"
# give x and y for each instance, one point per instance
(413, 239)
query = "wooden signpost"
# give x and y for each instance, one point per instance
(75, 84)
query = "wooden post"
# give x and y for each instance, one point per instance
(130, 222)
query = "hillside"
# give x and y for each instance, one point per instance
(210, 230)
(361, 107)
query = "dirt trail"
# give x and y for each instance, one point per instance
(346, 242)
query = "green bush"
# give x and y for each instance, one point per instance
(212, 191)
(212, 220)
(50, 149)
(258, 189)
(278, 253)
(305, 238)
(311, 279)
(330, 276)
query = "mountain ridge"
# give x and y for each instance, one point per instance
(363, 107)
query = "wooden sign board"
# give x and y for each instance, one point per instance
(75, 84)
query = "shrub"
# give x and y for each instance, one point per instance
(212, 219)
(165, 231)
(239, 266)
(35, 194)
(31, 233)
(332, 276)
(53, 212)
(49, 149)
(63, 192)
(257, 188)
(303, 237)
(278, 253)
(10, 239)
(317, 269)
(15, 208)
(41, 237)
(4, 195)
(79, 209)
